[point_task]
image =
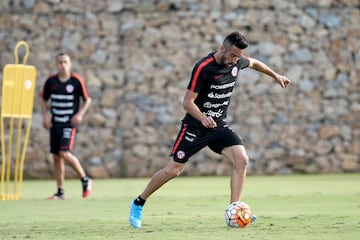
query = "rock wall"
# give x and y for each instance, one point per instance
(137, 56)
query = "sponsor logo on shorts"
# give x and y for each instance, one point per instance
(67, 133)
(180, 154)
(190, 137)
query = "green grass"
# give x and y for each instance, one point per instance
(288, 207)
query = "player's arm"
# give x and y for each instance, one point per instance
(78, 117)
(190, 107)
(262, 67)
(46, 115)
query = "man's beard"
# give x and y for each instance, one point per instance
(223, 62)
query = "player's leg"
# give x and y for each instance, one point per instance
(59, 168)
(59, 171)
(73, 161)
(187, 143)
(226, 142)
(66, 144)
(172, 170)
(239, 158)
(237, 155)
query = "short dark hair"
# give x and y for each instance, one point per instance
(62, 53)
(237, 39)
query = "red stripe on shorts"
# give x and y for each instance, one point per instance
(180, 138)
(72, 138)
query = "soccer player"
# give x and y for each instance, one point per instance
(206, 101)
(65, 89)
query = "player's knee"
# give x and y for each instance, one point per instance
(63, 154)
(242, 161)
(174, 171)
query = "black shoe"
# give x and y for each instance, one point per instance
(57, 196)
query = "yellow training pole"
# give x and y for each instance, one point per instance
(17, 103)
(3, 155)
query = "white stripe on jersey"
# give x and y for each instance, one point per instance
(62, 112)
(62, 104)
(62, 96)
(62, 119)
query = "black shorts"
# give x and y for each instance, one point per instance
(61, 139)
(192, 139)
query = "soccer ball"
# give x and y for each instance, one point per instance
(238, 215)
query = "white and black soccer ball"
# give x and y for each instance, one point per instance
(238, 215)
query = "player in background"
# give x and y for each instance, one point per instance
(65, 89)
(206, 101)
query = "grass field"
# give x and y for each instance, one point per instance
(288, 207)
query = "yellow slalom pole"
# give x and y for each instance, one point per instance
(3, 165)
(17, 103)
(17, 158)
(18, 138)
(21, 168)
(9, 158)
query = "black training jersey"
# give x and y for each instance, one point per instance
(214, 84)
(64, 96)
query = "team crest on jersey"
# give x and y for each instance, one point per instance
(180, 154)
(234, 71)
(69, 88)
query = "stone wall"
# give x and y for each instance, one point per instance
(137, 57)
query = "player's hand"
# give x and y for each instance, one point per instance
(283, 80)
(47, 121)
(208, 122)
(76, 119)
